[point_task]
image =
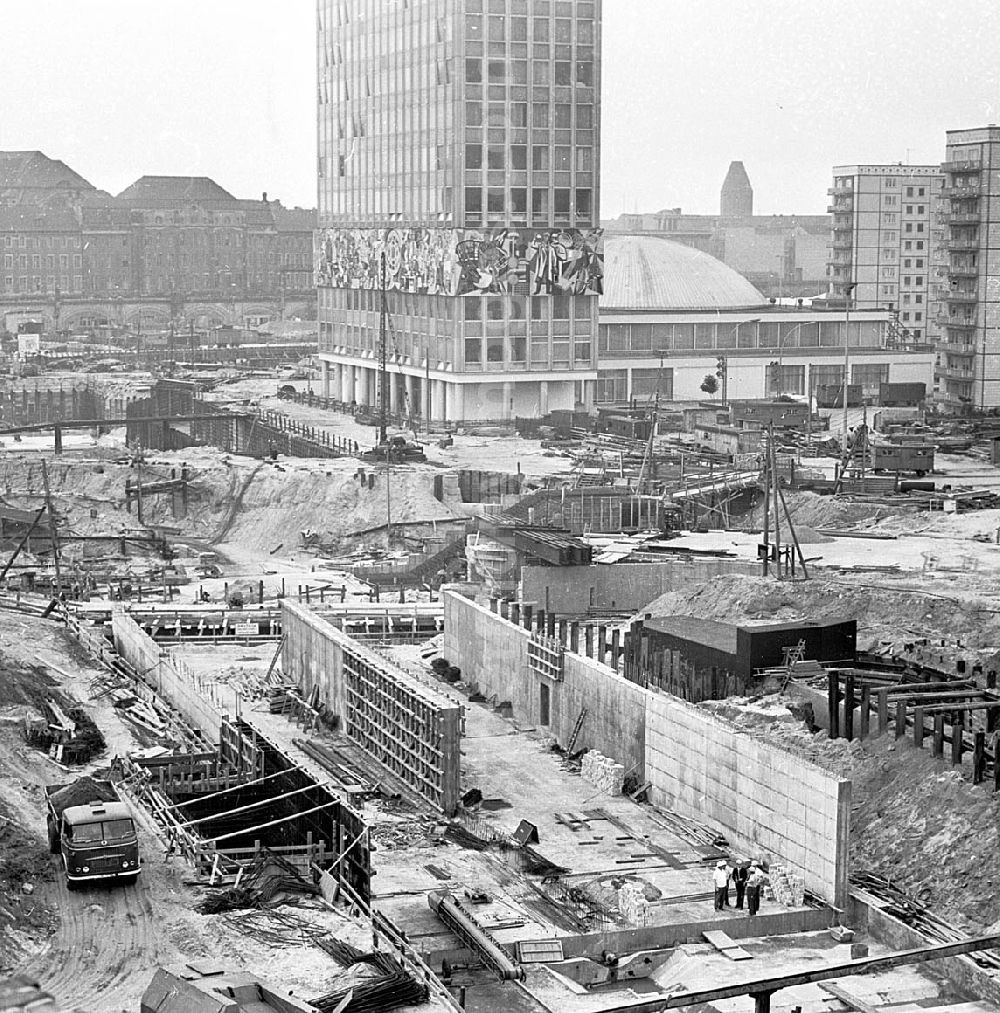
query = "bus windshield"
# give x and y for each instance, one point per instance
(109, 830)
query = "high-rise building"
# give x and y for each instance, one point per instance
(736, 197)
(459, 150)
(885, 233)
(970, 298)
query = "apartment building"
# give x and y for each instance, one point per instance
(885, 233)
(969, 308)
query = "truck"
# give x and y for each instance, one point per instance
(93, 831)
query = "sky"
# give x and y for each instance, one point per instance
(226, 88)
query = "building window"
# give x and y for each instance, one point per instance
(473, 156)
(539, 158)
(474, 114)
(474, 71)
(519, 157)
(495, 156)
(612, 386)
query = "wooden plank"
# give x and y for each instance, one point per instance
(852, 1002)
(726, 945)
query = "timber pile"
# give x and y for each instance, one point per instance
(690, 830)
(267, 881)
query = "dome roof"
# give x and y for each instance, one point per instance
(647, 272)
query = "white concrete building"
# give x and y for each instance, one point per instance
(670, 315)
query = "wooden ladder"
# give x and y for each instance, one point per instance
(571, 745)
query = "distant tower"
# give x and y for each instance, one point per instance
(737, 193)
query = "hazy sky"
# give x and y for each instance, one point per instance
(225, 88)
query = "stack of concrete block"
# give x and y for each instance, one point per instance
(786, 887)
(632, 904)
(602, 772)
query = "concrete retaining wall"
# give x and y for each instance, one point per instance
(866, 913)
(493, 653)
(767, 801)
(405, 724)
(629, 587)
(310, 657)
(202, 703)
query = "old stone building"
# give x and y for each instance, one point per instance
(166, 250)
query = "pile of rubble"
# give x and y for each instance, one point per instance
(603, 772)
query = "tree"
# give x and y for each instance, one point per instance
(710, 384)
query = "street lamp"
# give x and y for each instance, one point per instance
(723, 360)
(781, 349)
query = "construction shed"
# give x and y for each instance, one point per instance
(701, 659)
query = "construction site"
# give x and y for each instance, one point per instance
(474, 719)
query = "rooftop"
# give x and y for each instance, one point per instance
(21, 170)
(649, 272)
(175, 190)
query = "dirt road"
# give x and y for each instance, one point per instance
(109, 939)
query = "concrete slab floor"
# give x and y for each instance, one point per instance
(700, 966)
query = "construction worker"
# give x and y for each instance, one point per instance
(758, 877)
(741, 873)
(721, 880)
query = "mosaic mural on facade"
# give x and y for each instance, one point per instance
(463, 262)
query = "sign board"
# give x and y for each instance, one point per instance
(29, 344)
(246, 629)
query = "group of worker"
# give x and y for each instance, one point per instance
(747, 877)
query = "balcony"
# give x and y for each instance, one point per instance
(840, 208)
(961, 243)
(961, 192)
(963, 218)
(967, 166)
(961, 297)
(962, 271)
(957, 348)
(957, 373)
(840, 191)
(842, 244)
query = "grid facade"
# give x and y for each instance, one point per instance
(969, 307)
(885, 236)
(459, 145)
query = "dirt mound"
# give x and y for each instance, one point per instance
(233, 501)
(883, 614)
(27, 921)
(815, 511)
(925, 826)
(81, 791)
(330, 500)
(809, 536)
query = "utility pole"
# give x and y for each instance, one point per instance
(848, 291)
(52, 529)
